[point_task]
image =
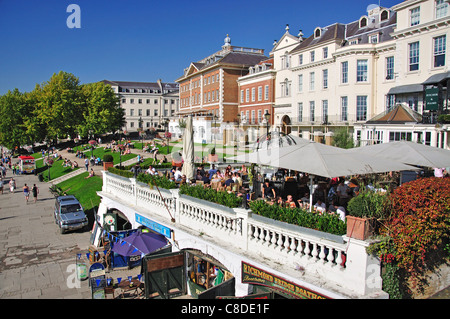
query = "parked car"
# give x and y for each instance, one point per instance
(69, 214)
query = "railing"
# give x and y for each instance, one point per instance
(328, 257)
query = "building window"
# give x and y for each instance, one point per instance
(414, 15)
(300, 83)
(253, 95)
(325, 79)
(266, 92)
(300, 59)
(312, 56)
(344, 72)
(390, 101)
(390, 68)
(325, 111)
(259, 116)
(311, 110)
(414, 56)
(361, 71)
(344, 108)
(311, 81)
(384, 15)
(300, 111)
(247, 95)
(253, 117)
(325, 53)
(259, 93)
(441, 8)
(439, 51)
(373, 38)
(131, 112)
(139, 112)
(242, 96)
(361, 108)
(363, 22)
(285, 88)
(131, 101)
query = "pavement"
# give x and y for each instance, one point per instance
(36, 261)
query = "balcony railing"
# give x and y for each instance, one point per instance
(326, 257)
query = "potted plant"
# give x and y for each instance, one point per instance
(364, 211)
(108, 161)
(213, 157)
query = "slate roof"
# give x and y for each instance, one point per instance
(397, 115)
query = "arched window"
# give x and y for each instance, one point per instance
(363, 22)
(384, 15)
(317, 33)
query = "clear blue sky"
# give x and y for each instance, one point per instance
(144, 40)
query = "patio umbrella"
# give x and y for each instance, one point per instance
(139, 243)
(188, 150)
(92, 142)
(321, 160)
(408, 152)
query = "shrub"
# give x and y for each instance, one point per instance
(370, 204)
(218, 197)
(108, 158)
(419, 224)
(329, 223)
(155, 180)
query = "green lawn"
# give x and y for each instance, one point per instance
(56, 170)
(85, 189)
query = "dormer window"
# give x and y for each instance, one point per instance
(317, 33)
(363, 22)
(384, 15)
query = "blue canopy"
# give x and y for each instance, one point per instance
(139, 243)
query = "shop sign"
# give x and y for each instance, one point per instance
(153, 225)
(256, 276)
(431, 99)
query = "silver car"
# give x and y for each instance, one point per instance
(69, 214)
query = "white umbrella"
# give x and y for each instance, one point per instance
(188, 150)
(408, 152)
(322, 160)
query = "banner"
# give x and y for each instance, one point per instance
(256, 276)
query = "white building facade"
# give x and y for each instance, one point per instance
(345, 74)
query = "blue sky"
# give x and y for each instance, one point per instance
(144, 40)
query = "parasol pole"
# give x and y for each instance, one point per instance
(310, 192)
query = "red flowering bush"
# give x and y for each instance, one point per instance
(420, 223)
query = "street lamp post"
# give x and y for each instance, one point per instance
(237, 132)
(267, 117)
(166, 124)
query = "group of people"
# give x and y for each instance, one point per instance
(337, 192)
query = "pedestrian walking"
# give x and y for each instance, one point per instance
(26, 192)
(86, 164)
(12, 185)
(35, 191)
(1, 185)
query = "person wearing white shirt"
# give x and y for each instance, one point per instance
(320, 206)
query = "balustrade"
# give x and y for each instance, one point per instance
(289, 245)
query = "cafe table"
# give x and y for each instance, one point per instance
(130, 287)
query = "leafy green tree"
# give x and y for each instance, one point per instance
(14, 112)
(342, 139)
(59, 105)
(101, 111)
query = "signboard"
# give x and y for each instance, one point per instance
(153, 225)
(431, 99)
(256, 276)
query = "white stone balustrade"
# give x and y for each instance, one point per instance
(330, 258)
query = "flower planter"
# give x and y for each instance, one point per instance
(107, 165)
(359, 228)
(177, 163)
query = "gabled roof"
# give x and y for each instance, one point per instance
(397, 115)
(334, 32)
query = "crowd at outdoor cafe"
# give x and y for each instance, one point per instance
(283, 188)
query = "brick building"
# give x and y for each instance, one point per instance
(209, 90)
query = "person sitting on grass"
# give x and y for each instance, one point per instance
(91, 173)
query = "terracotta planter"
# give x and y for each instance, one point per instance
(106, 165)
(177, 164)
(213, 158)
(359, 228)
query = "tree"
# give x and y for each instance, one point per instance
(59, 105)
(14, 112)
(101, 110)
(342, 139)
